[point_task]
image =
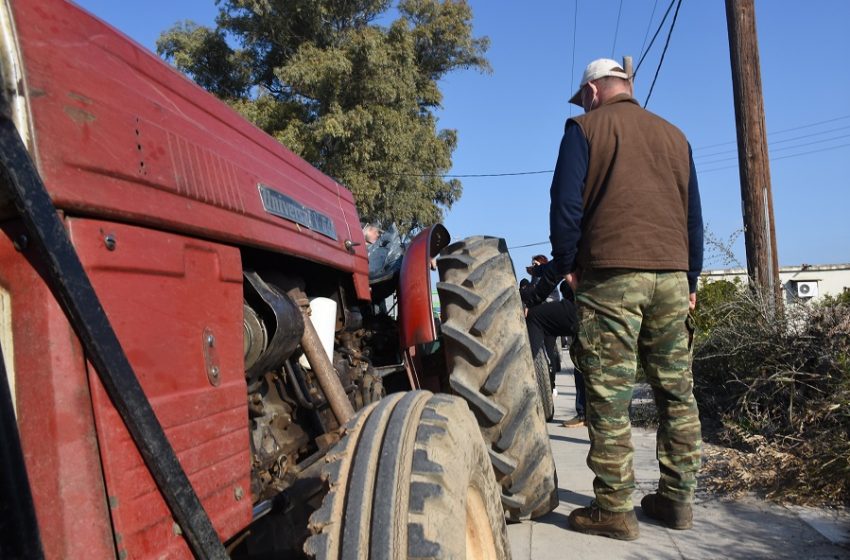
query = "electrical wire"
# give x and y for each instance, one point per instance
(810, 152)
(703, 159)
(777, 158)
(617, 28)
(773, 151)
(529, 245)
(547, 171)
(464, 176)
(663, 52)
(810, 125)
(573, 68)
(648, 27)
(657, 31)
(697, 158)
(724, 168)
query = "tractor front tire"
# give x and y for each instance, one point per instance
(410, 479)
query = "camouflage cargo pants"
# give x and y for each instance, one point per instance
(624, 314)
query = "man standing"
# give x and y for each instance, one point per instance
(551, 345)
(626, 231)
(551, 319)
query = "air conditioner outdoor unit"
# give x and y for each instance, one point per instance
(807, 289)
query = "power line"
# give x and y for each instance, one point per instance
(617, 28)
(703, 157)
(704, 171)
(544, 171)
(648, 27)
(657, 31)
(810, 125)
(699, 159)
(529, 245)
(811, 152)
(790, 129)
(830, 148)
(810, 135)
(812, 143)
(467, 175)
(774, 150)
(573, 68)
(663, 52)
(783, 148)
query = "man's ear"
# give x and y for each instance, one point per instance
(592, 93)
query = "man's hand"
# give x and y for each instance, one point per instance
(692, 301)
(532, 270)
(572, 279)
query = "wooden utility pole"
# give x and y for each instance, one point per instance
(756, 197)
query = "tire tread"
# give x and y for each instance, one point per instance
(491, 367)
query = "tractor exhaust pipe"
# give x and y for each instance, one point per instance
(323, 368)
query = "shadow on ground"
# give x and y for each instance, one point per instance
(569, 439)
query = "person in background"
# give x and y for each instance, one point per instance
(371, 232)
(626, 232)
(554, 319)
(550, 340)
(547, 318)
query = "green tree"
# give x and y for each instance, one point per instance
(713, 300)
(350, 94)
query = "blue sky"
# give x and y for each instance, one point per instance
(511, 120)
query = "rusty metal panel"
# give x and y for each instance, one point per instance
(176, 306)
(119, 134)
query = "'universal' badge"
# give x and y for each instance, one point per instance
(283, 206)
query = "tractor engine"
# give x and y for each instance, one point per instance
(290, 420)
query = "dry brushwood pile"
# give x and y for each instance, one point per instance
(774, 395)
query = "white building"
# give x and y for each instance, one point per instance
(804, 282)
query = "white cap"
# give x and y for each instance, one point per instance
(599, 68)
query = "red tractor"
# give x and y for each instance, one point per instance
(196, 362)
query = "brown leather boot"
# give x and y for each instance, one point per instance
(593, 520)
(676, 515)
(574, 422)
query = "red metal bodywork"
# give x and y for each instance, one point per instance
(120, 138)
(121, 135)
(164, 294)
(54, 413)
(87, 476)
(415, 313)
(416, 316)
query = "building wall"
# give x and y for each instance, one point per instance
(821, 280)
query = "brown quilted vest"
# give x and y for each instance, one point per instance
(636, 191)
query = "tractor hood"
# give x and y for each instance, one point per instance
(120, 135)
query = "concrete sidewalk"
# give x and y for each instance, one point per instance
(741, 529)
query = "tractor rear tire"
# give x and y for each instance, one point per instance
(491, 367)
(410, 479)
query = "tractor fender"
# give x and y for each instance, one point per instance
(416, 315)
